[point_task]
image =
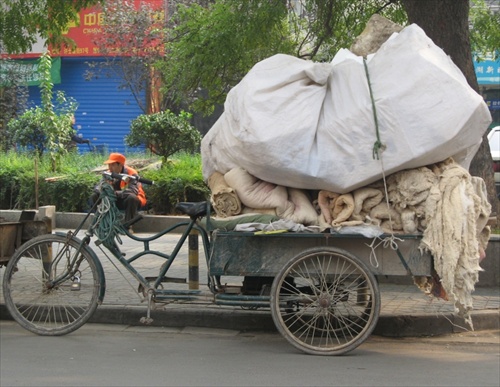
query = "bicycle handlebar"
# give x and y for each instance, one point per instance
(123, 176)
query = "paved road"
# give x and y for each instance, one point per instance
(117, 355)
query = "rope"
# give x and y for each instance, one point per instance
(108, 221)
(386, 194)
(378, 146)
(387, 242)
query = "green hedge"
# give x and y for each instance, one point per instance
(179, 180)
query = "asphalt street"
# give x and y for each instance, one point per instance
(119, 355)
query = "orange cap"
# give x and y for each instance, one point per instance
(115, 158)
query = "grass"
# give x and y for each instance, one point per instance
(71, 164)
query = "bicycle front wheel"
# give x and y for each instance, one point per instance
(51, 285)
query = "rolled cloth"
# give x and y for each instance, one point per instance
(299, 208)
(326, 203)
(224, 199)
(410, 187)
(256, 193)
(453, 210)
(364, 200)
(484, 212)
(343, 208)
(387, 217)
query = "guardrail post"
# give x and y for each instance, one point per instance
(193, 261)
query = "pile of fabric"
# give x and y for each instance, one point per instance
(443, 202)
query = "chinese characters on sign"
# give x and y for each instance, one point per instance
(84, 34)
(27, 72)
(487, 72)
(89, 30)
(493, 104)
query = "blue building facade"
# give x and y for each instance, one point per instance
(105, 109)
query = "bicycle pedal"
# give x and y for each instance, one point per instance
(76, 285)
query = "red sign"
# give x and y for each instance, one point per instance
(84, 34)
(88, 30)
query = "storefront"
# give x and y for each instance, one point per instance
(105, 106)
(105, 110)
(488, 77)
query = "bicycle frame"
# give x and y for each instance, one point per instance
(169, 258)
(152, 289)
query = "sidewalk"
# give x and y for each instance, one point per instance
(405, 310)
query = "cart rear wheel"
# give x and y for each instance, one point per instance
(325, 301)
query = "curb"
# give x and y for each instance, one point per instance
(435, 325)
(244, 320)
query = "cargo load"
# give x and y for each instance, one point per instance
(378, 142)
(311, 125)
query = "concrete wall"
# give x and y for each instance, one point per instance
(149, 223)
(71, 220)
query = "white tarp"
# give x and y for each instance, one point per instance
(310, 125)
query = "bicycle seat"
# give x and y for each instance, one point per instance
(193, 210)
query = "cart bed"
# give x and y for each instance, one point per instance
(245, 253)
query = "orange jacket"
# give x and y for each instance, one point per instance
(133, 186)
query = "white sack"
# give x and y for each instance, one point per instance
(256, 193)
(310, 125)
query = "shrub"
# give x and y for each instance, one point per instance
(46, 127)
(14, 167)
(26, 131)
(70, 191)
(164, 133)
(178, 180)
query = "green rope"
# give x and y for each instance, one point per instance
(109, 219)
(377, 146)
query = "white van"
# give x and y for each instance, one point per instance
(494, 140)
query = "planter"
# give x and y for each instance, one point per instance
(10, 239)
(34, 228)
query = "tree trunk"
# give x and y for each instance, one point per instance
(446, 22)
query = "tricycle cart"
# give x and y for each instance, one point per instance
(320, 287)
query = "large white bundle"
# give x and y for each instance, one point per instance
(310, 125)
(287, 203)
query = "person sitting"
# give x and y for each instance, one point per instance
(129, 193)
